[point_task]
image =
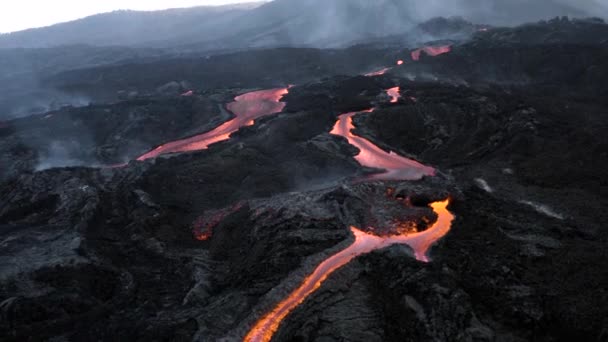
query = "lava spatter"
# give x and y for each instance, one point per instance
(396, 167)
(364, 243)
(431, 51)
(247, 108)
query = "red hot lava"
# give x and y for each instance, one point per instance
(364, 243)
(394, 94)
(377, 73)
(431, 51)
(396, 166)
(400, 62)
(247, 108)
(188, 93)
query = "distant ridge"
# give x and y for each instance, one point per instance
(318, 23)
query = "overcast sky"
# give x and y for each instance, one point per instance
(18, 15)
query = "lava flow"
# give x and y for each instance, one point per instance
(431, 51)
(188, 93)
(377, 73)
(364, 243)
(247, 108)
(396, 166)
(394, 94)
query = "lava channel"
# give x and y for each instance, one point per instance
(364, 243)
(431, 51)
(247, 108)
(394, 94)
(396, 167)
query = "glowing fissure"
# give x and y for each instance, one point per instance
(247, 108)
(370, 155)
(394, 94)
(431, 51)
(364, 243)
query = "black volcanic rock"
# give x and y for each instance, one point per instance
(116, 253)
(105, 135)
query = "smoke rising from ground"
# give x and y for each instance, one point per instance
(512, 12)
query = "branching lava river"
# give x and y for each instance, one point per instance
(396, 167)
(247, 108)
(364, 243)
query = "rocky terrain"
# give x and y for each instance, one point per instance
(201, 245)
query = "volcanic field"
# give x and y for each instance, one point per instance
(451, 191)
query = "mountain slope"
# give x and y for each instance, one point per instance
(287, 22)
(131, 27)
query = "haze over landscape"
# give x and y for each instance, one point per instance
(304, 170)
(21, 15)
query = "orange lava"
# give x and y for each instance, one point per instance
(188, 93)
(396, 167)
(364, 243)
(400, 62)
(378, 73)
(247, 108)
(431, 51)
(394, 94)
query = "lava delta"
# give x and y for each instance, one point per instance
(445, 182)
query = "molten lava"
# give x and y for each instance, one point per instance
(431, 51)
(396, 167)
(378, 73)
(400, 62)
(394, 94)
(188, 93)
(364, 243)
(247, 108)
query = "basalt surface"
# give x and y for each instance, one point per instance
(201, 245)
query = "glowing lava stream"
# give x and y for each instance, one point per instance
(247, 108)
(396, 166)
(431, 51)
(394, 94)
(377, 73)
(364, 243)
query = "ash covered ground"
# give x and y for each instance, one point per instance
(201, 244)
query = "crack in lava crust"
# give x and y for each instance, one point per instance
(247, 108)
(364, 243)
(396, 166)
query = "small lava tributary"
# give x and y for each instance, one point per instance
(251, 106)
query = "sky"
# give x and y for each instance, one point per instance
(16, 15)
